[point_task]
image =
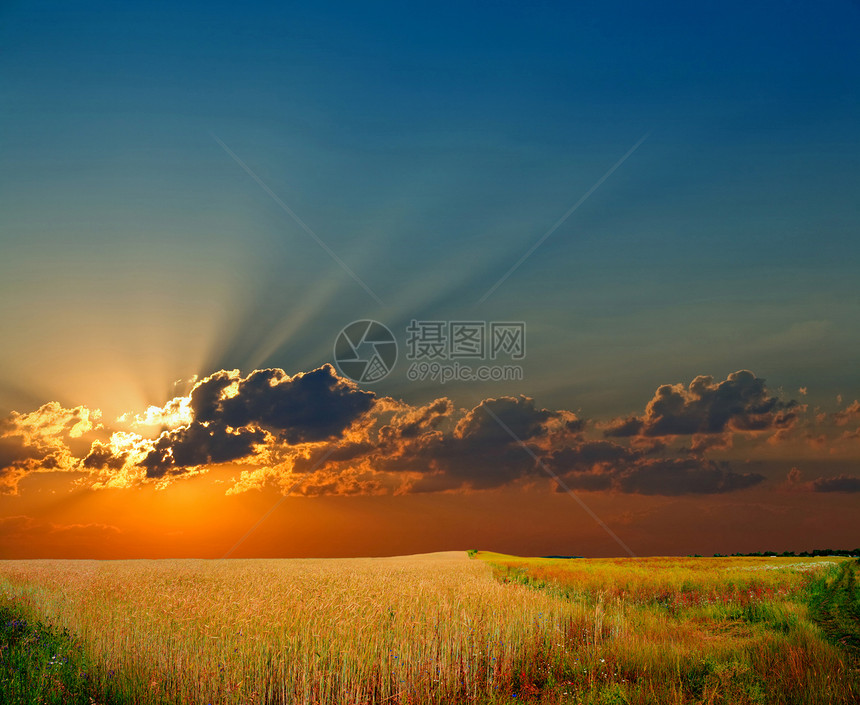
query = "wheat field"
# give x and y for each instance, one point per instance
(439, 628)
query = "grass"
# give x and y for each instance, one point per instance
(835, 606)
(41, 664)
(710, 630)
(441, 628)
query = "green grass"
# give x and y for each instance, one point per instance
(41, 665)
(834, 600)
(698, 630)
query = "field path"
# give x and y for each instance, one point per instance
(837, 609)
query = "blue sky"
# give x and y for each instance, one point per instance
(429, 146)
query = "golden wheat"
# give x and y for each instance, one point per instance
(438, 628)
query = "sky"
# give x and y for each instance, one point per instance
(636, 223)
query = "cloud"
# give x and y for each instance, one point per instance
(310, 406)
(493, 421)
(608, 465)
(118, 463)
(678, 476)
(430, 448)
(836, 431)
(200, 444)
(227, 417)
(592, 455)
(703, 443)
(42, 440)
(318, 433)
(838, 483)
(20, 526)
(444, 452)
(849, 416)
(175, 412)
(625, 427)
(482, 453)
(50, 422)
(741, 402)
(413, 422)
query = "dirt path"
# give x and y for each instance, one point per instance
(835, 607)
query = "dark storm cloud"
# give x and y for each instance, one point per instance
(464, 464)
(232, 417)
(595, 481)
(583, 457)
(678, 476)
(101, 456)
(306, 407)
(703, 443)
(432, 448)
(13, 451)
(196, 444)
(608, 465)
(622, 428)
(483, 425)
(482, 453)
(741, 402)
(840, 483)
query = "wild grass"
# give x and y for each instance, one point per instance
(41, 665)
(704, 630)
(441, 628)
(673, 582)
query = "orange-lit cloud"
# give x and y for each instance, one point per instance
(42, 440)
(316, 433)
(849, 414)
